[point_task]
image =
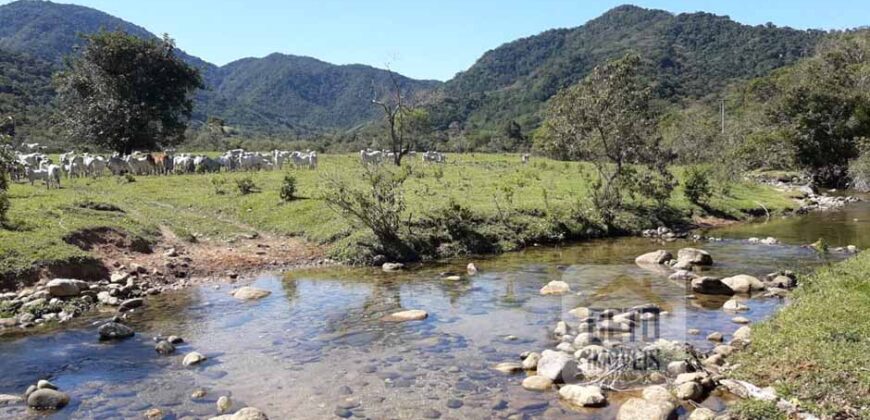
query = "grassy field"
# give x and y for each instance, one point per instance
(512, 204)
(817, 350)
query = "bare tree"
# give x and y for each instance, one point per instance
(404, 120)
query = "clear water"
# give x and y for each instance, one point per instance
(318, 342)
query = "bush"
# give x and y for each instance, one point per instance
(246, 185)
(288, 188)
(220, 185)
(757, 409)
(859, 173)
(696, 186)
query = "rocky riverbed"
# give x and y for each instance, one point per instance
(442, 341)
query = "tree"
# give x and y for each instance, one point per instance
(405, 123)
(824, 105)
(125, 93)
(607, 119)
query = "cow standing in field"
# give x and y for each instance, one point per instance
(50, 174)
(94, 165)
(434, 157)
(525, 158)
(371, 157)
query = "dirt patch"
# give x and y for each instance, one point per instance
(85, 268)
(102, 237)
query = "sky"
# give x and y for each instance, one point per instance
(424, 39)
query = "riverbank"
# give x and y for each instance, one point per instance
(473, 204)
(814, 351)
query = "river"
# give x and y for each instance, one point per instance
(317, 347)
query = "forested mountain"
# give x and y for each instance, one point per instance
(275, 94)
(687, 56)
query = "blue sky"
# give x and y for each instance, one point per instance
(430, 39)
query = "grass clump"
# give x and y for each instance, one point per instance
(817, 350)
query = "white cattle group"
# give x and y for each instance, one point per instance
(38, 167)
(375, 157)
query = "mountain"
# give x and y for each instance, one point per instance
(687, 56)
(275, 94)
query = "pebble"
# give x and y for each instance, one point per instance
(409, 315)
(343, 413)
(537, 383)
(193, 358)
(715, 336)
(508, 367)
(740, 320)
(454, 403)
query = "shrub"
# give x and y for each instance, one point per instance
(859, 173)
(288, 188)
(696, 186)
(246, 185)
(219, 183)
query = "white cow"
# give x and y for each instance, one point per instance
(371, 157)
(94, 165)
(50, 174)
(117, 166)
(435, 157)
(525, 158)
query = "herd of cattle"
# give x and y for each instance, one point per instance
(37, 166)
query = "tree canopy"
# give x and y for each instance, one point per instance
(125, 93)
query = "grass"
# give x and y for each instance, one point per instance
(511, 203)
(817, 350)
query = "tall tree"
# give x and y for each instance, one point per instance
(125, 93)
(607, 119)
(405, 123)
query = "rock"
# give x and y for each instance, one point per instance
(655, 257)
(199, 393)
(734, 305)
(585, 339)
(613, 325)
(509, 367)
(409, 315)
(557, 366)
(561, 328)
(471, 269)
(644, 409)
(711, 286)
(35, 302)
(693, 331)
(154, 414)
(580, 312)
(556, 287)
(852, 249)
(431, 413)
(193, 358)
(131, 304)
(743, 333)
(566, 347)
(702, 413)
(114, 331)
(531, 361)
(164, 348)
(723, 349)
(250, 293)
(47, 399)
(743, 283)
(678, 367)
(8, 322)
(689, 391)
(583, 396)
(740, 320)
(119, 277)
(31, 389)
(537, 383)
(43, 384)
(683, 275)
(770, 240)
(247, 413)
(715, 336)
(454, 403)
(63, 288)
(392, 266)
(453, 278)
(224, 404)
(174, 339)
(171, 253)
(782, 282)
(694, 256)
(701, 378)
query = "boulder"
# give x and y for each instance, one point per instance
(585, 339)
(250, 293)
(740, 320)
(247, 413)
(47, 399)
(711, 286)
(678, 367)
(656, 257)
(583, 396)
(531, 361)
(734, 305)
(781, 282)
(556, 287)
(119, 277)
(508, 367)
(224, 403)
(715, 336)
(392, 266)
(743, 333)
(114, 331)
(694, 256)
(702, 413)
(537, 383)
(689, 391)
(655, 405)
(131, 304)
(683, 275)
(164, 347)
(63, 288)
(471, 269)
(557, 366)
(581, 312)
(193, 358)
(743, 283)
(409, 315)
(561, 329)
